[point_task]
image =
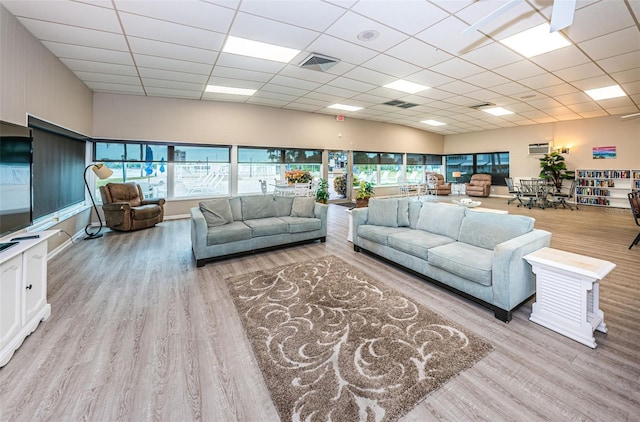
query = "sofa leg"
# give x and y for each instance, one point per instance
(356, 248)
(323, 239)
(502, 315)
(200, 262)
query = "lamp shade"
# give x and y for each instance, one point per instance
(456, 174)
(102, 171)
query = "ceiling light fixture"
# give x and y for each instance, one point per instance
(535, 41)
(259, 50)
(497, 111)
(229, 90)
(604, 93)
(433, 122)
(406, 86)
(345, 107)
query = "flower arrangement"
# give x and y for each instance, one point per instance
(298, 176)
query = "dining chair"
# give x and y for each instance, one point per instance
(564, 197)
(513, 190)
(532, 191)
(634, 202)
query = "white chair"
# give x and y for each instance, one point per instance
(263, 186)
(301, 189)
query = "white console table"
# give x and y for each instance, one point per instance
(23, 291)
(350, 232)
(567, 293)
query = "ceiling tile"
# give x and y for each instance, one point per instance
(173, 75)
(68, 51)
(229, 72)
(519, 70)
(171, 51)
(457, 68)
(629, 61)
(614, 44)
(351, 24)
(409, 17)
(311, 15)
(447, 35)
(419, 53)
(97, 67)
(576, 73)
(589, 21)
(171, 64)
(562, 58)
(390, 66)
(492, 56)
(265, 30)
(48, 31)
(76, 14)
(541, 81)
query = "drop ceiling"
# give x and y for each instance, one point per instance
(173, 49)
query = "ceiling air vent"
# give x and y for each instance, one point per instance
(318, 62)
(401, 104)
(482, 105)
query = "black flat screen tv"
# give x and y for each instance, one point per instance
(15, 178)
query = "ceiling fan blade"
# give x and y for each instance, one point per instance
(491, 16)
(562, 14)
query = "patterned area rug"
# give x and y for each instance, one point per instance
(334, 344)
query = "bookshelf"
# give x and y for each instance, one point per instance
(608, 188)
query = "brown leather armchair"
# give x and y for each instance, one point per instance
(479, 185)
(125, 208)
(441, 187)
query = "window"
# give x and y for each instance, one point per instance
(378, 168)
(418, 164)
(176, 171)
(270, 164)
(58, 165)
(200, 171)
(494, 163)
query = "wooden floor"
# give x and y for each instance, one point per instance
(138, 333)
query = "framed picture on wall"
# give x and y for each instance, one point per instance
(604, 152)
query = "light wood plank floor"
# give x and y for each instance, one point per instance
(138, 333)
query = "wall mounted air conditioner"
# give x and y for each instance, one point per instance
(539, 149)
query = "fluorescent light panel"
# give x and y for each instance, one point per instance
(406, 86)
(345, 107)
(535, 41)
(433, 122)
(259, 50)
(497, 111)
(230, 90)
(613, 91)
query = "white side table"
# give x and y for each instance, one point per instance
(350, 232)
(567, 293)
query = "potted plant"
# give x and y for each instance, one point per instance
(554, 169)
(298, 176)
(322, 194)
(365, 191)
(340, 185)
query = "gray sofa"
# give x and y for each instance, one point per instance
(476, 254)
(243, 224)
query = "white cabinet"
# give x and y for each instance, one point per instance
(23, 292)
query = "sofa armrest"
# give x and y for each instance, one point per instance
(116, 206)
(153, 201)
(359, 217)
(512, 278)
(198, 232)
(320, 211)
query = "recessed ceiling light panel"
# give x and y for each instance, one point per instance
(535, 41)
(497, 111)
(345, 107)
(259, 50)
(433, 122)
(613, 91)
(406, 86)
(230, 90)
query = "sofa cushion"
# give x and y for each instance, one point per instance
(302, 224)
(464, 260)
(414, 213)
(403, 212)
(441, 219)
(378, 234)
(228, 233)
(236, 208)
(267, 226)
(383, 212)
(282, 205)
(486, 230)
(416, 242)
(216, 212)
(303, 206)
(257, 206)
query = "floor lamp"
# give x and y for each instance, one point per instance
(103, 172)
(456, 175)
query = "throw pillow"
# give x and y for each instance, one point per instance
(441, 219)
(257, 206)
(403, 212)
(216, 212)
(303, 206)
(383, 212)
